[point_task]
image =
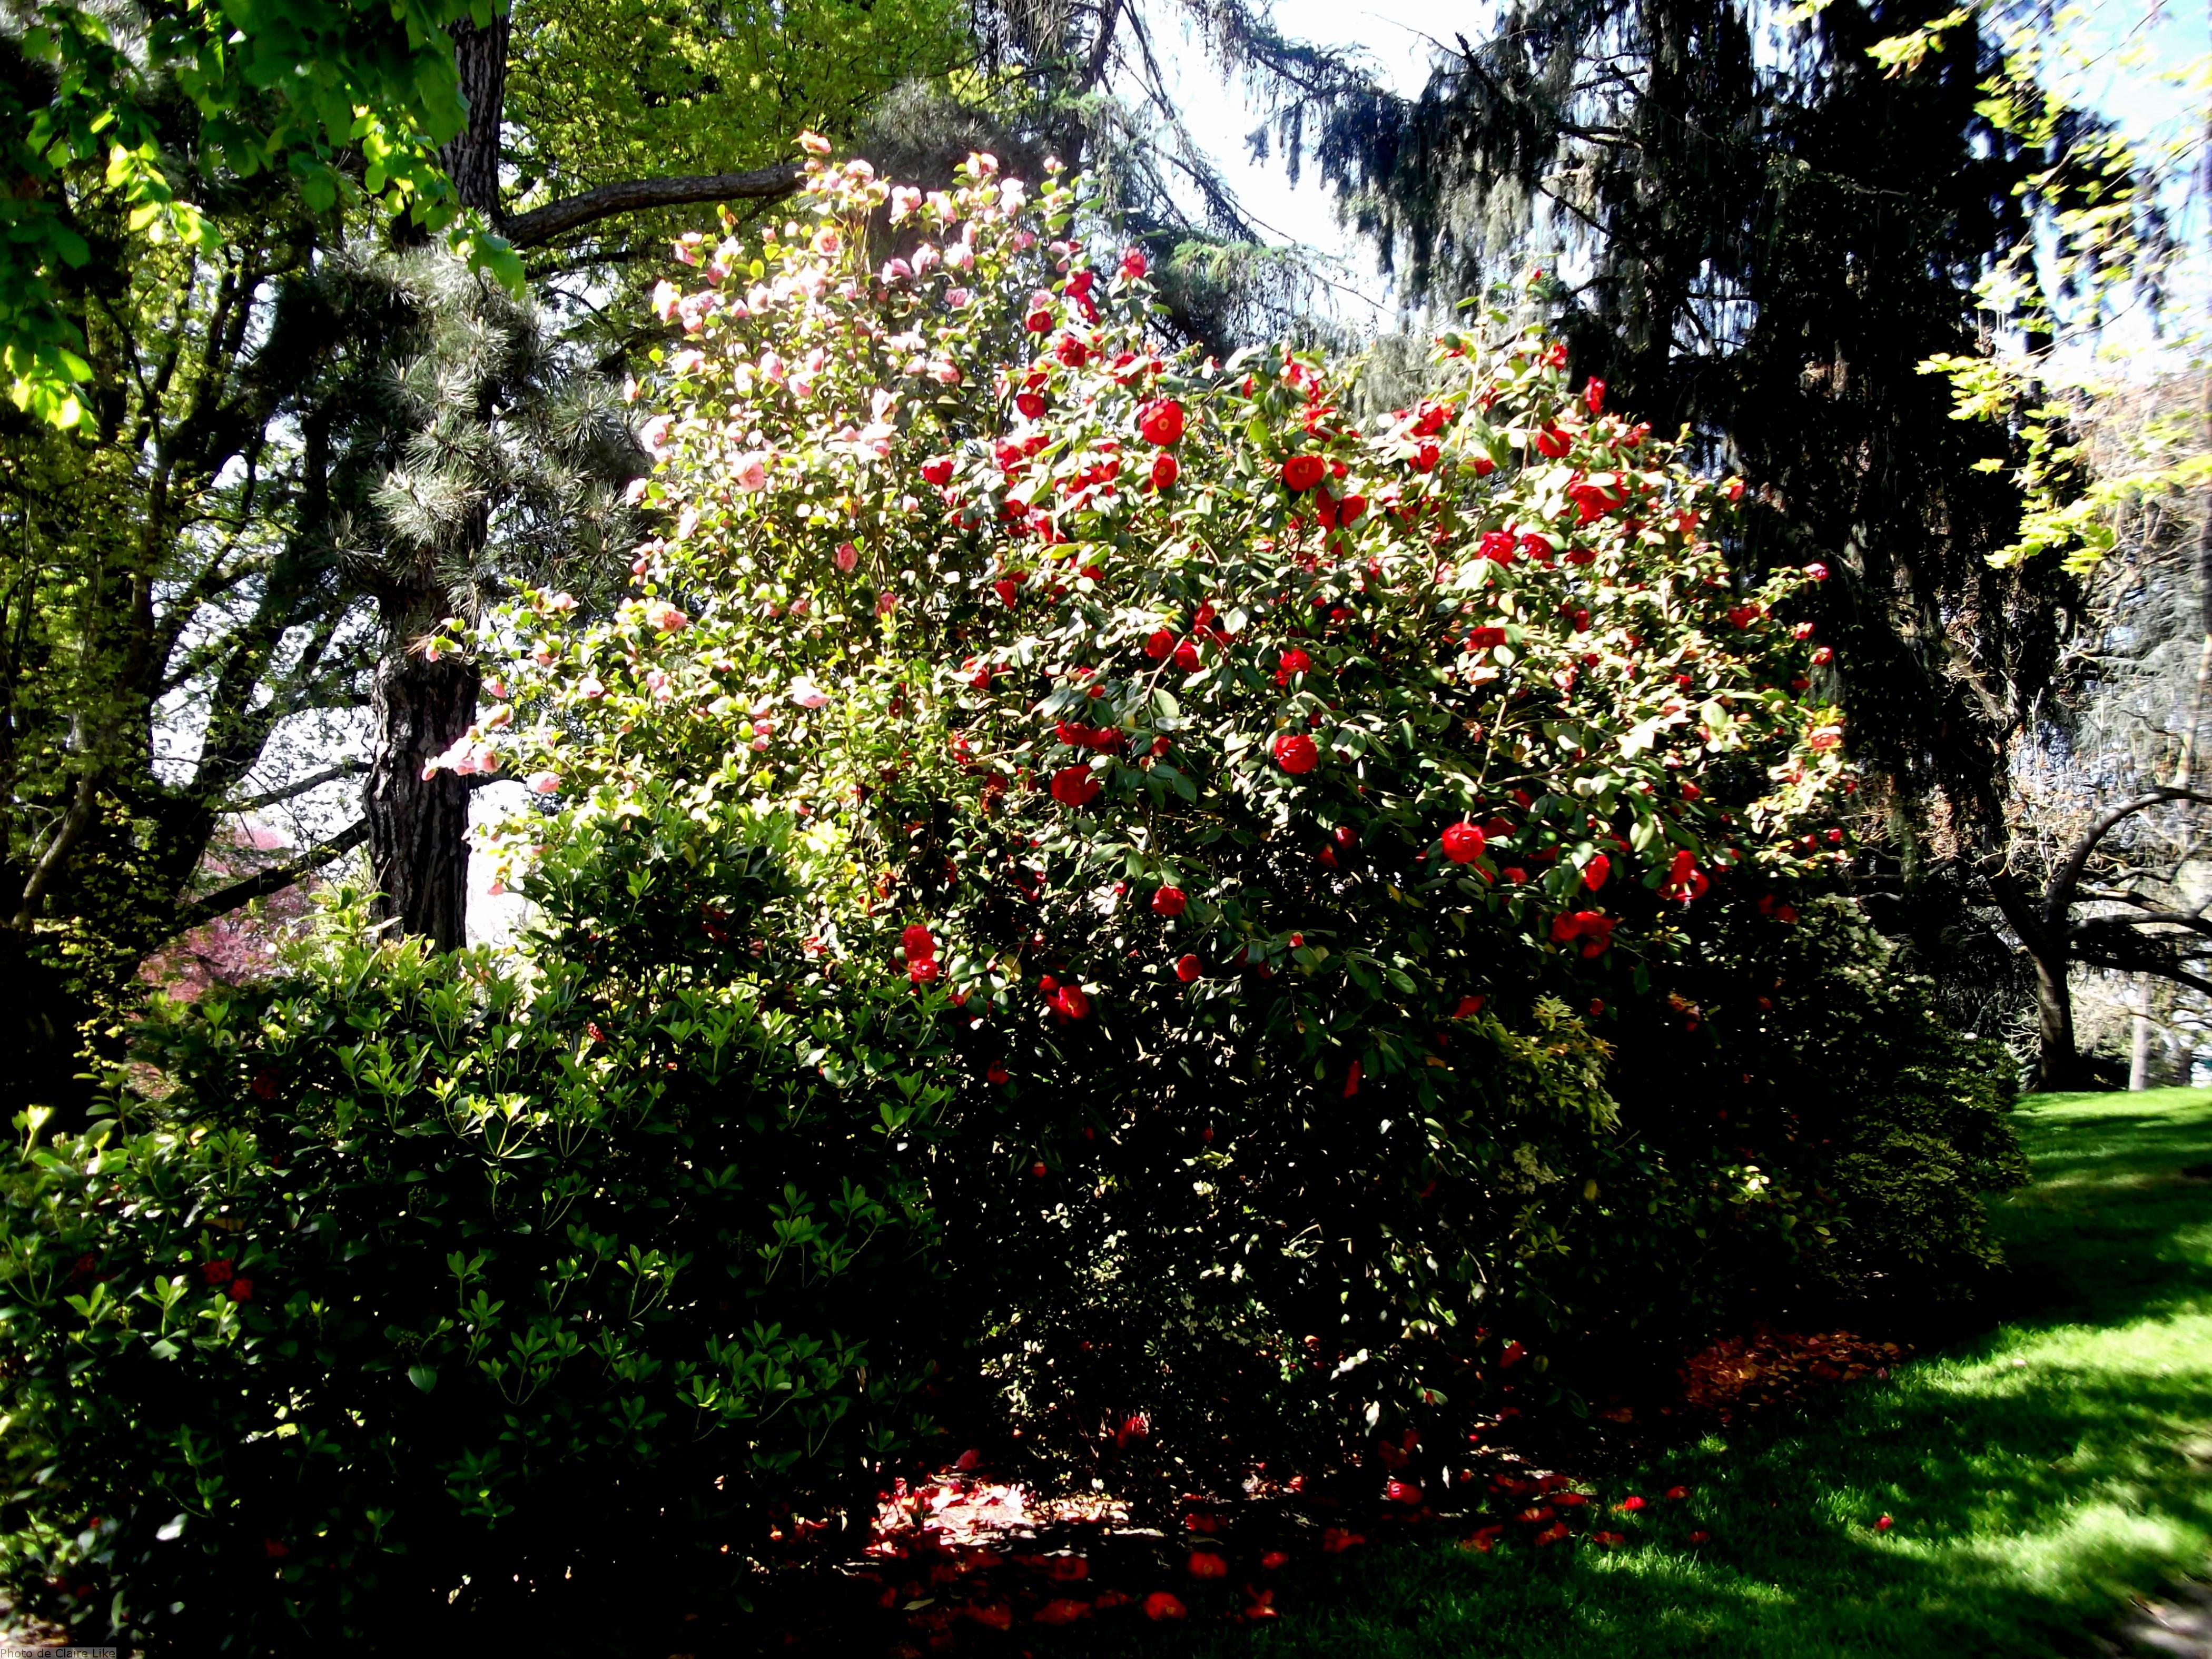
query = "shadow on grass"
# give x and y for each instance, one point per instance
(2037, 1474)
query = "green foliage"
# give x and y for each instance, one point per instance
(418, 1261)
(285, 87)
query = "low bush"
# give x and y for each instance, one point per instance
(433, 1282)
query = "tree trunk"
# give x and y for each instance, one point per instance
(418, 843)
(471, 158)
(2139, 1058)
(2056, 1063)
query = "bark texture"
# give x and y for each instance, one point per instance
(417, 826)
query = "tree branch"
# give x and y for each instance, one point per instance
(2058, 897)
(313, 780)
(224, 900)
(631, 195)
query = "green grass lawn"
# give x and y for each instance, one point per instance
(2037, 1473)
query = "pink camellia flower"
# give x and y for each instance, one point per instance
(926, 259)
(813, 143)
(985, 164)
(633, 491)
(751, 473)
(563, 602)
(689, 361)
(666, 294)
(886, 602)
(1037, 314)
(660, 614)
(589, 686)
(896, 271)
(1824, 738)
(653, 434)
(905, 200)
(544, 783)
(847, 556)
(807, 695)
(959, 255)
(958, 299)
(1817, 571)
(944, 372)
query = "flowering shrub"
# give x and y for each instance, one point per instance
(436, 1281)
(1280, 806)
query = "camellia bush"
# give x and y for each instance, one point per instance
(1282, 807)
(1085, 885)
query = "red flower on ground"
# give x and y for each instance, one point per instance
(1162, 1605)
(1884, 1524)
(1335, 1540)
(1205, 1564)
(1676, 1494)
(1463, 842)
(1073, 785)
(1295, 754)
(1273, 1561)
(1062, 1611)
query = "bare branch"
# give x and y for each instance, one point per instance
(276, 879)
(634, 194)
(345, 768)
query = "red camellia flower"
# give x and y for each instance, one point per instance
(1470, 1006)
(1552, 443)
(1593, 395)
(1293, 661)
(1303, 473)
(1403, 1491)
(917, 943)
(1205, 1563)
(1676, 1494)
(1159, 644)
(1186, 657)
(216, 1273)
(1425, 456)
(1166, 471)
(1817, 571)
(1596, 871)
(1031, 405)
(1134, 264)
(997, 1074)
(1188, 968)
(1481, 639)
(1069, 1002)
(1062, 1611)
(1170, 901)
(1073, 785)
(1273, 1561)
(923, 972)
(1631, 1503)
(241, 1289)
(1350, 508)
(1295, 754)
(1884, 1524)
(937, 470)
(1823, 657)
(1160, 1605)
(1160, 422)
(1498, 545)
(1037, 317)
(1463, 843)
(1336, 1540)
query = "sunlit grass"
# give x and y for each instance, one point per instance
(2039, 1472)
